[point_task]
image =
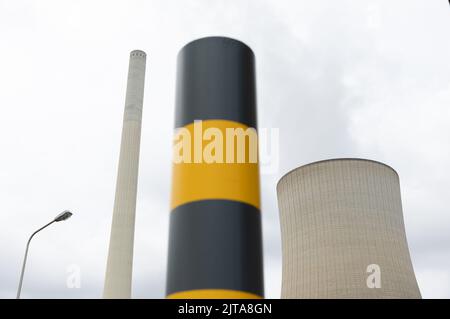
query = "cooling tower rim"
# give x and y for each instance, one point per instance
(216, 38)
(334, 160)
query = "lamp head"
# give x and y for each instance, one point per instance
(63, 216)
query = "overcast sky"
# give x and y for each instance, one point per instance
(349, 78)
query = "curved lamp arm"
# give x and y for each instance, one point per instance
(63, 216)
(25, 258)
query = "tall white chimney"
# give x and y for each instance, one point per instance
(120, 258)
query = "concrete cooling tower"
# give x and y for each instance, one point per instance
(343, 234)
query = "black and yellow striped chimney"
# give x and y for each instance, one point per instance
(215, 241)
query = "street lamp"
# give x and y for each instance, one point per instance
(63, 216)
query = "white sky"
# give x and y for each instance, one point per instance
(339, 78)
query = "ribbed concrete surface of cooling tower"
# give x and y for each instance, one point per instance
(343, 234)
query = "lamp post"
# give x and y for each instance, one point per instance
(63, 216)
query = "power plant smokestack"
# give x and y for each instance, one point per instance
(120, 258)
(343, 234)
(215, 244)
